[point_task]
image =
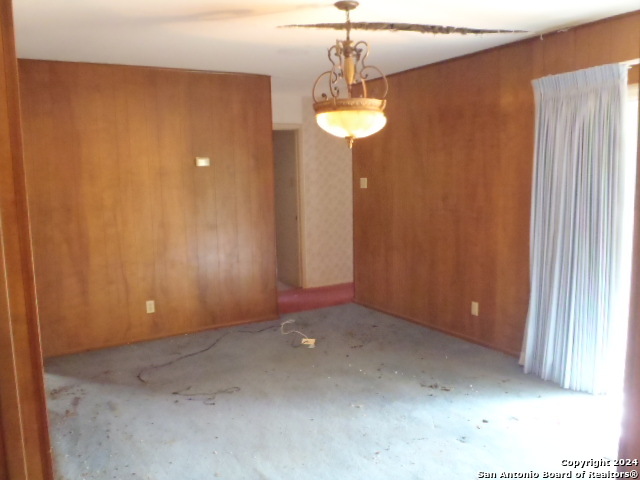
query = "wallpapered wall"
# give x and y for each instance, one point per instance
(327, 204)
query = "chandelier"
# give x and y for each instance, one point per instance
(341, 97)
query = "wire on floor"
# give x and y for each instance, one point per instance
(309, 342)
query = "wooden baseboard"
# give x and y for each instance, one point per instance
(162, 336)
(451, 333)
(301, 299)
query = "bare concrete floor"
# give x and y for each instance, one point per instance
(378, 398)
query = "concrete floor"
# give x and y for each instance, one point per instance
(378, 398)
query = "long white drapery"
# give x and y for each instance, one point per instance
(576, 226)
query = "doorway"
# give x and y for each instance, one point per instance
(287, 206)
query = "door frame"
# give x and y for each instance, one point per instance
(297, 129)
(24, 432)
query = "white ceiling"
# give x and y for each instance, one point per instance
(243, 35)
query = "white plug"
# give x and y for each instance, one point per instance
(309, 342)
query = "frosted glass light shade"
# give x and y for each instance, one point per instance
(351, 118)
(351, 123)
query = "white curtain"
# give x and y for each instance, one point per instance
(576, 226)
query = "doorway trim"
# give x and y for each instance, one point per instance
(24, 431)
(297, 129)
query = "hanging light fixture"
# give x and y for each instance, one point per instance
(341, 97)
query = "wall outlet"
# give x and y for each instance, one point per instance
(475, 309)
(151, 306)
(364, 183)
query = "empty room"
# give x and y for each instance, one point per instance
(286, 240)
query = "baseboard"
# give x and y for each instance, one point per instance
(152, 338)
(446, 331)
(301, 299)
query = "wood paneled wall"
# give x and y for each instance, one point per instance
(445, 218)
(121, 214)
(24, 438)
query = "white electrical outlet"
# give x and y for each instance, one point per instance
(309, 342)
(151, 306)
(475, 309)
(364, 183)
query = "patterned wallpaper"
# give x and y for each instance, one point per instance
(327, 204)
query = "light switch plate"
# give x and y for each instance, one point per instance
(363, 182)
(203, 161)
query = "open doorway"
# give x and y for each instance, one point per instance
(287, 202)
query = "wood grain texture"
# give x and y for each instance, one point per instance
(121, 215)
(4, 472)
(445, 218)
(24, 438)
